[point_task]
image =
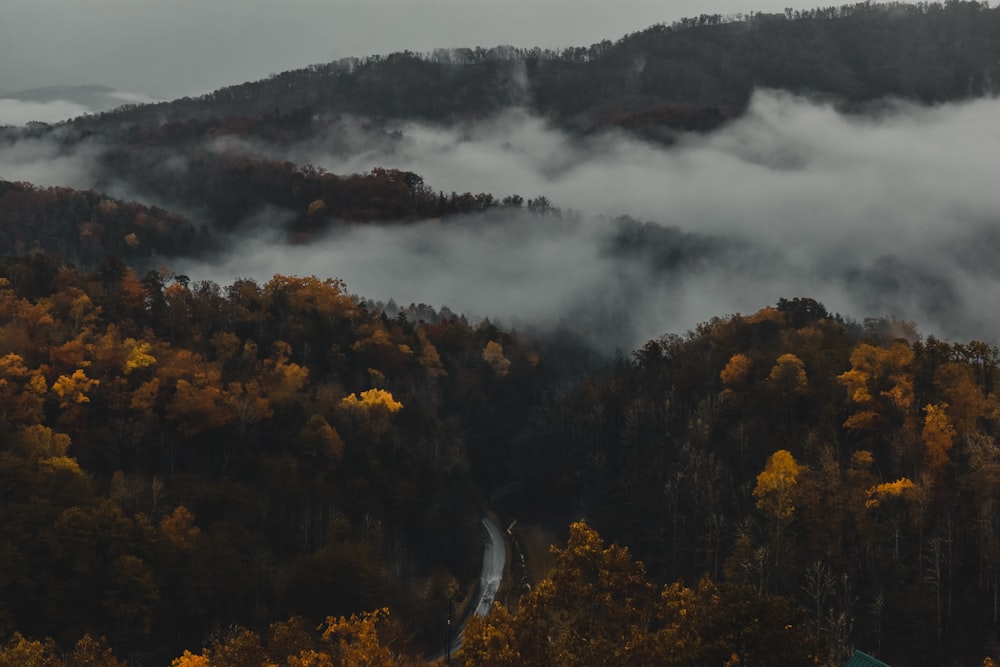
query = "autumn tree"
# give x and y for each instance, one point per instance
(879, 385)
(789, 375)
(594, 609)
(22, 652)
(901, 503)
(493, 355)
(775, 492)
(788, 378)
(735, 373)
(938, 437)
(365, 640)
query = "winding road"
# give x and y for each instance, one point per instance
(494, 558)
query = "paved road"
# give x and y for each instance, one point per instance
(494, 558)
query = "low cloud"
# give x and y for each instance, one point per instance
(125, 97)
(48, 164)
(893, 213)
(20, 112)
(889, 214)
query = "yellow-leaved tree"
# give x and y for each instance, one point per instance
(592, 610)
(775, 492)
(365, 640)
(493, 355)
(894, 503)
(373, 399)
(789, 375)
(938, 437)
(373, 410)
(879, 384)
(73, 389)
(736, 371)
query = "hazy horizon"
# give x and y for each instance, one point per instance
(186, 48)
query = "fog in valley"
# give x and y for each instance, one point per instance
(887, 213)
(892, 213)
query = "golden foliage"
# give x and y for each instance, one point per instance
(591, 610)
(373, 399)
(188, 659)
(767, 314)
(736, 370)
(12, 368)
(902, 488)
(879, 382)
(310, 658)
(22, 391)
(966, 401)
(326, 298)
(490, 640)
(90, 652)
(789, 375)
(776, 484)
(139, 356)
(493, 355)
(429, 357)
(283, 379)
(358, 641)
(938, 437)
(72, 389)
(316, 207)
(22, 652)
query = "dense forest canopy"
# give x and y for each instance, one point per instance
(689, 74)
(279, 470)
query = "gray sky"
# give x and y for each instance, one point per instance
(171, 48)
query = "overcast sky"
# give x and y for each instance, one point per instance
(171, 48)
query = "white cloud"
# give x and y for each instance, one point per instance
(895, 214)
(19, 112)
(131, 98)
(46, 164)
(889, 215)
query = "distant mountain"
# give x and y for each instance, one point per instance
(95, 98)
(55, 104)
(687, 76)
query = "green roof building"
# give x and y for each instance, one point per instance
(860, 659)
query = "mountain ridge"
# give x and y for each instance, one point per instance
(856, 53)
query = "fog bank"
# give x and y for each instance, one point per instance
(893, 214)
(888, 214)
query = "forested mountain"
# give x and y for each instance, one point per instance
(186, 456)
(687, 75)
(280, 471)
(178, 457)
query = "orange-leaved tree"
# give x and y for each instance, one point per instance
(594, 609)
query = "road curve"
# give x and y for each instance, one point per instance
(494, 559)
